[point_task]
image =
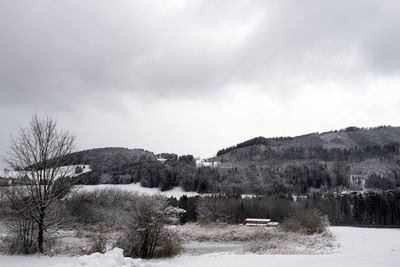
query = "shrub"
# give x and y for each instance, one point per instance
(171, 245)
(167, 244)
(305, 220)
(145, 234)
(102, 207)
(98, 243)
(21, 237)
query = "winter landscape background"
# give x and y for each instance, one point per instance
(158, 132)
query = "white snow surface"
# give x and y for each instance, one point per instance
(361, 247)
(136, 187)
(65, 170)
(111, 258)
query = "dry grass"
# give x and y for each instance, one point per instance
(258, 239)
(281, 242)
(97, 243)
(218, 232)
(305, 220)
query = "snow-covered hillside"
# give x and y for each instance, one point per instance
(65, 170)
(359, 247)
(137, 188)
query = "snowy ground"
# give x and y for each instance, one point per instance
(200, 248)
(175, 192)
(358, 247)
(223, 237)
(64, 170)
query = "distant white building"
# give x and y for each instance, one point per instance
(358, 180)
(162, 160)
(212, 163)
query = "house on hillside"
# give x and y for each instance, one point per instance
(162, 160)
(212, 162)
(358, 180)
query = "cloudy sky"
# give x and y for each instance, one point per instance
(195, 76)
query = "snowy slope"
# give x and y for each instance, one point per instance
(360, 247)
(175, 192)
(65, 170)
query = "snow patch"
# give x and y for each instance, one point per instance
(64, 170)
(112, 258)
(137, 188)
(360, 247)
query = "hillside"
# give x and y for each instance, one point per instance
(352, 175)
(308, 146)
(124, 166)
(349, 159)
(111, 156)
(352, 158)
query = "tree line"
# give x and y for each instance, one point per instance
(374, 209)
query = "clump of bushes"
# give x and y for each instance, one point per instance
(146, 234)
(305, 220)
(15, 243)
(20, 235)
(171, 245)
(102, 208)
(142, 221)
(98, 243)
(135, 245)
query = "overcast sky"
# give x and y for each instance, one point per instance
(196, 76)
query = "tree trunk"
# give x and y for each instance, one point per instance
(41, 229)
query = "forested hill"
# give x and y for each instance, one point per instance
(110, 157)
(353, 158)
(333, 145)
(114, 165)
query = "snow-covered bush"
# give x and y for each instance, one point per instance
(145, 234)
(20, 235)
(170, 244)
(98, 243)
(305, 220)
(20, 238)
(103, 208)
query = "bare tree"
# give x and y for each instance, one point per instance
(38, 153)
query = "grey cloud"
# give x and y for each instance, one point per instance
(72, 49)
(381, 45)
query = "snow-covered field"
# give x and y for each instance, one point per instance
(64, 170)
(175, 192)
(213, 237)
(358, 247)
